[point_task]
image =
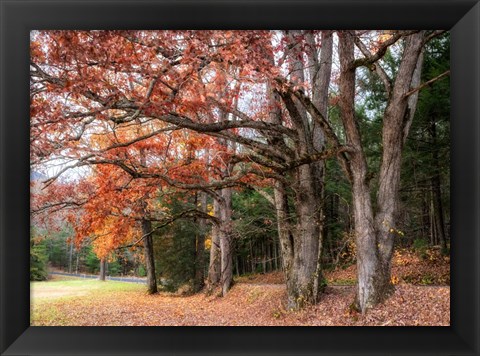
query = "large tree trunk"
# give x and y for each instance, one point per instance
(305, 276)
(214, 266)
(373, 275)
(396, 120)
(286, 238)
(226, 252)
(146, 226)
(375, 232)
(320, 72)
(369, 271)
(199, 278)
(301, 245)
(149, 256)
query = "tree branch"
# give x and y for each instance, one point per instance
(366, 61)
(381, 73)
(433, 35)
(427, 83)
(166, 222)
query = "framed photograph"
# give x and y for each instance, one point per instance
(19, 19)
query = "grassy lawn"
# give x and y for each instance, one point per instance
(49, 298)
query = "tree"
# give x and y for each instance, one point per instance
(425, 173)
(199, 278)
(375, 229)
(194, 80)
(256, 235)
(38, 259)
(302, 244)
(257, 101)
(375, 226)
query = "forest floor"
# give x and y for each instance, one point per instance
(421, 297)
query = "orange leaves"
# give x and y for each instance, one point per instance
(380, 39)
(101, 103)
(112, 232)
(36, 50)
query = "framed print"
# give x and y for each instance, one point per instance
(23, 20)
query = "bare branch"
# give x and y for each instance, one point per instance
(381, 73)
(427, 83)
(165, 222)
(368, 60)
(433, 35)
(327, 153)
(320, 119)
(57, 206)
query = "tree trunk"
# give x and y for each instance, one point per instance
(146, 226)
(302, 246)
(149, 256)
(237, 266)
(226, 259)
(76, 263)
(275, 257)
(214, 266)
(305, 275)
(300, 250)
(425, 218)
(397, 118)
(103, 269)
(431, 217)
(70, 258)
(269, 256)
(199, 279)
(375, 232)
(373, 276)
(370, 274)
(437, 192)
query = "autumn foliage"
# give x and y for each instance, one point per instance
(125, 123)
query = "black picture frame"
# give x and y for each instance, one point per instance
(18, 17)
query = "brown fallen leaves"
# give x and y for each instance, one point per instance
(246, 304)
(422, 297)
(430, 268)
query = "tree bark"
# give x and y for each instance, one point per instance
(199, 279)
(437, 191)
(302, 245)
(226, 265)
(425, 218)
(103, 269)
(395, 129)
(300, 235)
(146, 226)
(70, 258)
(375, 231)
(370, 274)
(214, 266)
(149, 256)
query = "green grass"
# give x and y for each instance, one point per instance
(343, 282)
(85, 284)
(49, 299)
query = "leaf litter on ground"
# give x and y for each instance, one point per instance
(421, 298)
